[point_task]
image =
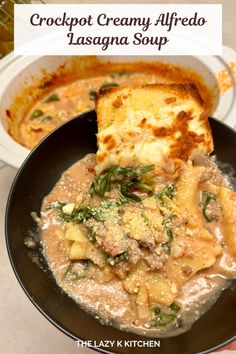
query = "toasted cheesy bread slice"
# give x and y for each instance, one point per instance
(161, 124)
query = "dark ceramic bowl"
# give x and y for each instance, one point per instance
(39, 173)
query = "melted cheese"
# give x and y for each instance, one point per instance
(151, 124)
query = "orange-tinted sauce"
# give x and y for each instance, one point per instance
(75, 93)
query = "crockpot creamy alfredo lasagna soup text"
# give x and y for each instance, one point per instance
(143, 234)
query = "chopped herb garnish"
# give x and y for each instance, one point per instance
(126, 194)
(143, 186)
(161, 318)
(102, 183)
(166, 223)
(156, 310)
(125, 191)
(92, 95)
(83, 213)
(121, 74)
(37, 113)
(46, 119)
(91, 234)
(68, 269)
(117, 259)
(146, 219)
(86, 262)
(74, 277)
(174, 307)
(167, 192)
(207, 197)
(167, 247)
(57, 205)
(109, 203)
(53, 97)
(71, 275)
(79, 214)
(106, 86)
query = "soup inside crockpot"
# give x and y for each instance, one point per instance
(62, 97)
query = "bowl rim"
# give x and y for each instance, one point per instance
(44, 312)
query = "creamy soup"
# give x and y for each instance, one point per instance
(63, 98)
(144, 253)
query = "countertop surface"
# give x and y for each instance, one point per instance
(23, 328)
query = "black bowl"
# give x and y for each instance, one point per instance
(39, 173)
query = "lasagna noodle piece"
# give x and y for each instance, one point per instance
(151, 124)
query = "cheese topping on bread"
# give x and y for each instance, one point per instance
(161, 124)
